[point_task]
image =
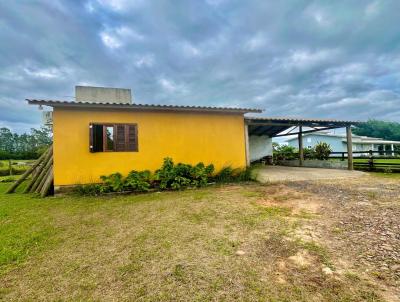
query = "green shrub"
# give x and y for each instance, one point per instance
(322, 150)
(180, 176)
(113, 182)
(224, 175)
(309, 153)
(4, 155)
(227, 175)
(168, 177)
(138, 181)
(245, 174)
(88, 189)
(285, 152)
(201, 174)
(166, 174)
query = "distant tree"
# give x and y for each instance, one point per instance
(41, 138)
(6, 140)
(24, 146)
(381, 129)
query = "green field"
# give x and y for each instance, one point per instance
(386, 165)
(383, 161)
(19, 166)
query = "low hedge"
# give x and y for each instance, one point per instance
(4, 155)
(170, 176)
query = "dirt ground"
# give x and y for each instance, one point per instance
(357, 220)
(267, 174)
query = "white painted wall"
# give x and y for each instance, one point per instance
(259, 146)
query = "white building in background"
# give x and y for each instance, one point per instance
(339, 144)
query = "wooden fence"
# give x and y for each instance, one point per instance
(372, 160)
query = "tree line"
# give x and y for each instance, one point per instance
(26, 145)
(380, 129)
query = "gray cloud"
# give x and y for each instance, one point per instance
(298, 58)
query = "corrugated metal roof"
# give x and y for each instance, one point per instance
(60, 103)
(275, 126)
(301, 120)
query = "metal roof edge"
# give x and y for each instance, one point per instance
(300, 120)
(59, 103)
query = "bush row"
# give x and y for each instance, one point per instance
(321, 151)
(4, 155)
(170, 176)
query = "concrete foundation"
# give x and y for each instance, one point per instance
(328, 164)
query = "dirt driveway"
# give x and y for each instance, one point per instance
(357, 220)
(282, 173)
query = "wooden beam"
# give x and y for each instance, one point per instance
(349, 148)
(309, 131)
(294, 124)
(290, 131)
(301, 152)
(48, 162)
(30, 170)
(257, 130)
(246, 141)
(48, 183)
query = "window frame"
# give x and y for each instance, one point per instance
(105, 144)
(104, 136)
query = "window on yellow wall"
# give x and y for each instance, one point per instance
(113, 137)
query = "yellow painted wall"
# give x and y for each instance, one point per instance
(185, 137)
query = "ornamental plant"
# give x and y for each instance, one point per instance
(170, 176)
(322, 150)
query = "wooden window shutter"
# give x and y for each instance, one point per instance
(120, 141)
(91, 138)
(132, 143)
(95, 138)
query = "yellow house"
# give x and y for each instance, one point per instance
(91, 139)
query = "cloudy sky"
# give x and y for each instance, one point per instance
(337, 59)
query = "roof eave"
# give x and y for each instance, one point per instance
(142, 107)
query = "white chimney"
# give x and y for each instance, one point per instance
(103, 95)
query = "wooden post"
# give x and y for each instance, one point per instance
(301, 152)
(48, 182)
(371, 160)
(29, 171)
(10, 167)
(349, 148)
(392, 149)
(246, 141)
(40, 179)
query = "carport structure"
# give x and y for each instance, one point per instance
(276, 127)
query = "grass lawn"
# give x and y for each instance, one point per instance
(386, 175)
(362, 160)
(19, 166)
(383, 164)
(220, 243)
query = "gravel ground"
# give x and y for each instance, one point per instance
(359, 221)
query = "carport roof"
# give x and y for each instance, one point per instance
(273, 126)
